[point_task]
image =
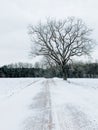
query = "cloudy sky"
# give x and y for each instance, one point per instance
(16, 15)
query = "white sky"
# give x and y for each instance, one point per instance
(16, 15)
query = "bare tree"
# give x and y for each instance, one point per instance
(61, 40)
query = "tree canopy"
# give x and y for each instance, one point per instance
(61, 40)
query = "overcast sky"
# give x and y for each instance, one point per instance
(16, 15)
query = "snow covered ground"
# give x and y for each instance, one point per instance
(48, 104)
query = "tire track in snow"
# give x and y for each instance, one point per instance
(41, 118)
(70, 117)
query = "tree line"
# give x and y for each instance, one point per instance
(75, 70)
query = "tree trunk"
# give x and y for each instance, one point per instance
(64, 73)
(64, 76)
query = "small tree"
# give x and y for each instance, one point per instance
(61, 40)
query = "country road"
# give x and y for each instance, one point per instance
(49, 104)
(50, 116)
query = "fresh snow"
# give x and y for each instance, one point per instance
(48, 104)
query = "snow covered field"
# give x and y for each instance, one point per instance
(48, 104)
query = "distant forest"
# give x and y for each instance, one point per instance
(76, 70)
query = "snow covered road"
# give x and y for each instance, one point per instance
(48, 104)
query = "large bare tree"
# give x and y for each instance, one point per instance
(61, 40)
